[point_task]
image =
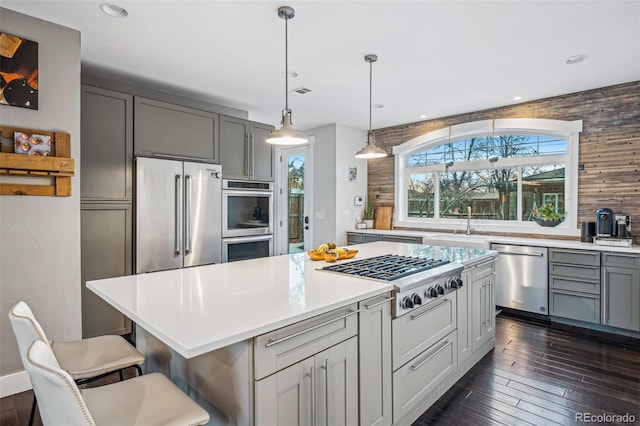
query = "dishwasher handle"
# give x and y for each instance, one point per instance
(520, 250)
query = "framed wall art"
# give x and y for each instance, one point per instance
(18, 71)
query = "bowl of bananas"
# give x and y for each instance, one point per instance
(329, 252)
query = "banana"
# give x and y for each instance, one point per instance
(322, 248)
(340, 250)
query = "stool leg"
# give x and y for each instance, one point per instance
(33, 410)
(137, 367)
(120, 373)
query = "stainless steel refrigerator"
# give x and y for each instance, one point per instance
(178, 214)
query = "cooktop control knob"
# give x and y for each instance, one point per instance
(417, 300)
(406, 303)
(456, 282)
(440, 289)
(432, 292)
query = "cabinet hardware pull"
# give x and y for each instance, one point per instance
(325, 367)
(187, 214)
(482, 264)
(253, 157)
(247, 150)
(379, 303)
(272, 342)
(604, 296)
(423, 362)
(421, 314)
(576, 252)
(313, 396)
(633, 256)
(178, 221)
(517, 301)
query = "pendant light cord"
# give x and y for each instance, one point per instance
(370, 91)
(286, 64)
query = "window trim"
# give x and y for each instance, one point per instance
(568, 130)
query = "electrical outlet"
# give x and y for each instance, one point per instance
(358, 200)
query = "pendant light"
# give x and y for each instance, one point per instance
(287, 135)
(371, 150)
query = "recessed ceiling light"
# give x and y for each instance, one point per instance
(576, 59)
(377, 106)
(423, 116)
(517, 98)
(113, 10)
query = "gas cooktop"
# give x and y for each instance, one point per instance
(388, 267)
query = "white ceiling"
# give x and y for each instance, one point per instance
(436, 58)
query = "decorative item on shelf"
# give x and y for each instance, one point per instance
(286, 135)
(369, 212)
(547, 216)
(371, 150)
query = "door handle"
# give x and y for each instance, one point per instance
(187, 212)
(178, 221)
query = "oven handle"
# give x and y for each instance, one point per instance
(415, 317)
(245, 239)
(245, 193)
(272, 342)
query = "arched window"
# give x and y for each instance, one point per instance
(497, 172)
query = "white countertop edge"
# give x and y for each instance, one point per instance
(248, 334)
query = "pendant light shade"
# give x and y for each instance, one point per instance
(287, 135)
(371, 150)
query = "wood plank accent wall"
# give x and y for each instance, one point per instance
(609, 146)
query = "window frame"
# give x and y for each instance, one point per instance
(568, 130)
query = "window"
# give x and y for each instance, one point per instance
(503, 170)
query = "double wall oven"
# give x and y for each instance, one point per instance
(247, 219)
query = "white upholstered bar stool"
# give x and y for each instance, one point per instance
(151, 399)
(85, 360)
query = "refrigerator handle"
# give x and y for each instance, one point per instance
(178, 223)
(187, 214)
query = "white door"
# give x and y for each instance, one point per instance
(294, 195)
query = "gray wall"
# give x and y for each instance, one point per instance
(40, 236)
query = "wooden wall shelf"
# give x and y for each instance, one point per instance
(59, 166)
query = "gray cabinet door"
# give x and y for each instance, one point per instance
(106, 252)
(234, 147)
(173, 130)
(578, 306)
(621, 297)
(374, 340)
(107, 144)
(262, 152)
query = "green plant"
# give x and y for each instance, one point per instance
(548, 212)
(368, 211)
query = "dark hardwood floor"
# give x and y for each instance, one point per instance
(541, 375)
(536, 375)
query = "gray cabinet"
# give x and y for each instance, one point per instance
(319, 390)
(363, 237)
(482, 305)
(244, 153)
(171, 130)
(621, 291)
(464, 313)
(374, 323)
(107, 145)
(106, 252)
(574, 284)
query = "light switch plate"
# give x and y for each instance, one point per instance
(358, 200)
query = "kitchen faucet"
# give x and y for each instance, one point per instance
(469, 220)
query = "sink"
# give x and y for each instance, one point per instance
(457, 240)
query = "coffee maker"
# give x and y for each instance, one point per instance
(604, 222)
(621, 226)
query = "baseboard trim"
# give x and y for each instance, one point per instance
(12, 384)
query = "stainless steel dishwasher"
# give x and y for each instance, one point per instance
(522, 278)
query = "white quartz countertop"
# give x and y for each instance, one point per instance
(200, 309)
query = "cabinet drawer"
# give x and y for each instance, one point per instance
(353, 238)
(575, 271)
(482, 270)
(281, 348)
(401, 239)
(413, 382)
(582, 307)
(370, 238)
(621, 259)
(416, 331)
(576, 257)
(575, 284)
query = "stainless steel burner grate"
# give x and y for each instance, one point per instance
(388, 267)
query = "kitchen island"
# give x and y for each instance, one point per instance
(198, 325)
